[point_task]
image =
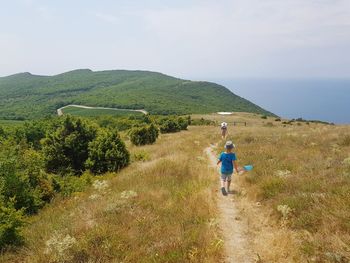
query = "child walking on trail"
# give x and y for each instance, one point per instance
(223, 130)
(228, 162)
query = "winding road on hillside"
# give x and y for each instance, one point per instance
(60, 110)
(234, 229)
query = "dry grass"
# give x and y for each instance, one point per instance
(153, 211)
(160, 209)
(301, 181)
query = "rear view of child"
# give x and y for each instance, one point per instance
(228, 161)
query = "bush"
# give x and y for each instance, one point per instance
(278, 119)
(264, 117)
(144, 135)
(107, 153)
(67, 148)
(22, 177)
(68, 185)
(169, 126)
(183, 123)
(15, 186)
(32, 132)
(141, 156)
(11, 222)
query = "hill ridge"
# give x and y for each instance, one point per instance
(27, 96)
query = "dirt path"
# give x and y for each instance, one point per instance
(234, 227)
(60, 110)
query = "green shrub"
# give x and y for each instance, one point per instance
(107, 153)
(16, 186)
(264, 117)
(66, 149)
(183, 123)
(144, 135)
(67, 185)
(141, 156)
(278, 119)
(11, 222)
(32, 132)
(169, 126)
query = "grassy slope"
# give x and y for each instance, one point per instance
(28, 96)
(170, 219)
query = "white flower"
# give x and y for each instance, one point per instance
(94, 196)
(58, 244)
(285, 210)
(283, 173)
(100, 185)
(128, 194)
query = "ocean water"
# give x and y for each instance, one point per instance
(312, 99)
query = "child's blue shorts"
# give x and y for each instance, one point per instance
(226, 176)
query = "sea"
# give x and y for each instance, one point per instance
(312, 99)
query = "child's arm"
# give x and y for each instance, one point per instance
(219, 161)
(235, 165)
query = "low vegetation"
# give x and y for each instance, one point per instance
(303, 174)
(41, 159)
(148, 212)
(157, 202)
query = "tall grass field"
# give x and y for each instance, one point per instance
(163, 207)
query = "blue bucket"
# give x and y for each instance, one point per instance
(248, 167)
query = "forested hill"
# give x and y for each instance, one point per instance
(26, 96)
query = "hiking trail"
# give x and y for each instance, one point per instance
(234, 228)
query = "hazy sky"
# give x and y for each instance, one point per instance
(199, 39)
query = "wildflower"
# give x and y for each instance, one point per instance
(128, 194)
(100, 185)
(283, 173)
(58, 245)
(285, 210)
(94, 196)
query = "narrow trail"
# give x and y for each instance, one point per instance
(233, 226)
(60, 110)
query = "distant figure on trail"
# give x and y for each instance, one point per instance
(228, 161)
(223, 130)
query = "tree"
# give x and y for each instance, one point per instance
(67, 148)
(107, 153)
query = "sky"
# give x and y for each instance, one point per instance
(195, 39)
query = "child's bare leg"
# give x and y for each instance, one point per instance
(222, 183)
(228, 185)
(223, 190)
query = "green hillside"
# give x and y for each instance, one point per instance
(25, 96)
